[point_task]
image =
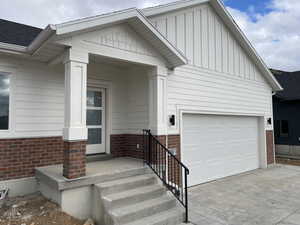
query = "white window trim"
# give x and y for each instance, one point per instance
(11, 72)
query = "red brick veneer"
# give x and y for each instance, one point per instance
(270, 146)
(125, 145)
(19, 157)
(74, 162)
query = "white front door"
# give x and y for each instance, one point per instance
(219, 146)
(95, 121)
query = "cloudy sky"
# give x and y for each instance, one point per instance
(273, 26)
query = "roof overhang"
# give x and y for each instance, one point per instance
(231, 24)
(135, 19)
(133, 16)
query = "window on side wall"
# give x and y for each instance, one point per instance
(284, 128)
(4, 101)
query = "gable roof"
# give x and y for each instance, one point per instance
(290, 81)
(137, 20)
(231, 25)
(16, 33)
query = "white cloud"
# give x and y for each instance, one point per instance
(275, 34)
(40, 13)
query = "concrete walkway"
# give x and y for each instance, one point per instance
(263, 197)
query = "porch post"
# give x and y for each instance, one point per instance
(75, 131)
(158, 101)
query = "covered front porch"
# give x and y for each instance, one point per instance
(115, 86)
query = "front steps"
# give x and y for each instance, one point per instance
(138, 200)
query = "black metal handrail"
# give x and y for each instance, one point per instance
(171, 171)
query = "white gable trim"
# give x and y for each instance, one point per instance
(136, 19)
(229, 21)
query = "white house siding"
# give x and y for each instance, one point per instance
(37, 98)
(129, 98)
(138, 101)
(220, 76)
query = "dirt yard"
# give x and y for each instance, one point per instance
(294, 162)
(34, 210)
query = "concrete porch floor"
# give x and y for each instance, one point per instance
(96, 172)
(263, 197)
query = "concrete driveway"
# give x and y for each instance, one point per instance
(263, 197)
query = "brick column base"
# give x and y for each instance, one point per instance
(74, 161)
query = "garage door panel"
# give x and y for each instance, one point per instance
(219, 146)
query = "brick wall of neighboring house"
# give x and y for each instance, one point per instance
(74, 161)
(19, 157)
(270, 146)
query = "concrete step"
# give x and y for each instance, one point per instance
(133, 196)
(173, 216)
(143, 209)
(124, 184)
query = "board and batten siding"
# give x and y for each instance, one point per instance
(220, 76)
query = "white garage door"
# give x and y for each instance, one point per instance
(219, 146)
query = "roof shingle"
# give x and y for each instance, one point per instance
(16, 33)
(290, 81)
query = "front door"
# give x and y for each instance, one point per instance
(95, 121)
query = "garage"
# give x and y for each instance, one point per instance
(217, 146)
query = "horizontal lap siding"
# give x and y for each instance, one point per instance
(220, 75)
(129, 96)
(37, 98)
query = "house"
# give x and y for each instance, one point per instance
(90, 86)
(286, 105)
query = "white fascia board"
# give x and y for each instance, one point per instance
(12, 47)
(41, 39)
(161, 9)
(174, 50)
(92, 22)
(228, 19)
(37, 43)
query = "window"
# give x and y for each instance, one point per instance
(4, 101)
(284, 128)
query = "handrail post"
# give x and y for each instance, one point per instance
(161, 156)
(149, 147)
(186, 197)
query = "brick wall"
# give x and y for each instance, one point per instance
(125, 145)
(270, 146)
(74, 162)
(19, 157)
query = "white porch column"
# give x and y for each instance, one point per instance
(75, 131)
(158, 101)
(75, 95)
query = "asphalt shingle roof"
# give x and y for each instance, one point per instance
(16, 33)
(290, 81)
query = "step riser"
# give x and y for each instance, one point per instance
(133, 199)
(148, 211)
(169, 221)
(127, 186)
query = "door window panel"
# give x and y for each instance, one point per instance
(94, 117)
(94, 136)
(94, 99)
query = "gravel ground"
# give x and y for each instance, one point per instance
(34, 210)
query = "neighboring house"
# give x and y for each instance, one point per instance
(286, 105)
(90, 86)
